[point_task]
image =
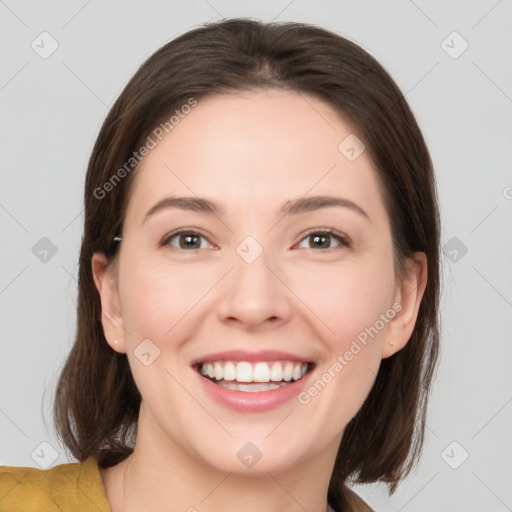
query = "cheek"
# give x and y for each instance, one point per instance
(156, 297)
(158, 304)
(347, 298)
(350, 303)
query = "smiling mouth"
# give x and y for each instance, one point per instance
(253, 377)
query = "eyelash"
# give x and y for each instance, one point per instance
(344, 242)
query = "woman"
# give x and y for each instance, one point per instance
(258, 286)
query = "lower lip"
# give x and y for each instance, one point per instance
(257, 401)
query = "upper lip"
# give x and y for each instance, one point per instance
(241, 355)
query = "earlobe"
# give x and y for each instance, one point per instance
(111, 318)
(409, 295)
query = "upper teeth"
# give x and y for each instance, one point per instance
(254, 372)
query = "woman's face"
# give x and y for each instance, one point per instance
(255, 290)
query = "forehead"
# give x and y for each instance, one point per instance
(265, 146)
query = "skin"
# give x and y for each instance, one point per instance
(250, 152)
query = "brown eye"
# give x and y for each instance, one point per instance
(323, 240)
(186, 240)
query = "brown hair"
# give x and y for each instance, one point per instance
(97, 402)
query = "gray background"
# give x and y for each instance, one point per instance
(52, 109)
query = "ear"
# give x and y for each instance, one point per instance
(105, 279)
(408, 297)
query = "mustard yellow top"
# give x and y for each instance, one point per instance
(71, 487)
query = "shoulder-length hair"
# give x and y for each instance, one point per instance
(97, 402)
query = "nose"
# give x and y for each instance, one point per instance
(254, 294)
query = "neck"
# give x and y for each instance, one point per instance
(163, 476)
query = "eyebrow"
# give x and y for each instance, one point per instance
(291, 207)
